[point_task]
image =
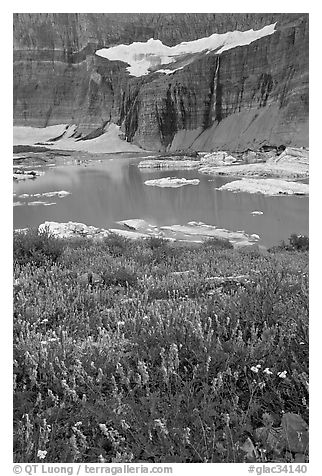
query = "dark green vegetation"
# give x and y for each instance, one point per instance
(295, 243)
(127, 351)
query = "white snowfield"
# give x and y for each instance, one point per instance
(172, 182)
(110, 141)
(26, 135)
(143, 56)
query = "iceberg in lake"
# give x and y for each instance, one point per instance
(267, 187)
(171, 182)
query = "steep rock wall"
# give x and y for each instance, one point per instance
(245, 97)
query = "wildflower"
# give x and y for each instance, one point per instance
(173, 358)
(124, 425)
(99, 376)
(161, 425)
(267, 371)
(103, 429)
(226, 418)
(282, 374)
(143, 371)
(42, 454)
(186, 435)
(254, 369)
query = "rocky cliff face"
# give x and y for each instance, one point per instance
(245, 97)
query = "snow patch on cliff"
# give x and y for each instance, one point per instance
(143, 57)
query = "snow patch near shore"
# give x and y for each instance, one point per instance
(143, 56)
(108, 142)
(30, 135)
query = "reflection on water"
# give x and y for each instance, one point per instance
(106, 191)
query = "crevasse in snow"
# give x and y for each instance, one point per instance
(143, 56)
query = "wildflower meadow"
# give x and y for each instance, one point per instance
(149, 351)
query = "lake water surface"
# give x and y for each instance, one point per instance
(110, 187)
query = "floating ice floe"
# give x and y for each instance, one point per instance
(169, 164)
(136, 224)
(218, 158)
(171, 182)
(132, 235)
(292, 163)
(267, 187)
(144, 57)
(73, 229)
(257, 212)
(24, 175)
(196, 232)
(59, 194)
(193, 232)
(37, 203)
(204, 231)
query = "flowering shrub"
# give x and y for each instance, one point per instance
(153, 362)
(296, 243)
(36, 247)
(221, 244)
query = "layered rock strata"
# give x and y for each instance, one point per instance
(246, 97)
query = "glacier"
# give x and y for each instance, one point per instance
(146, 57)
